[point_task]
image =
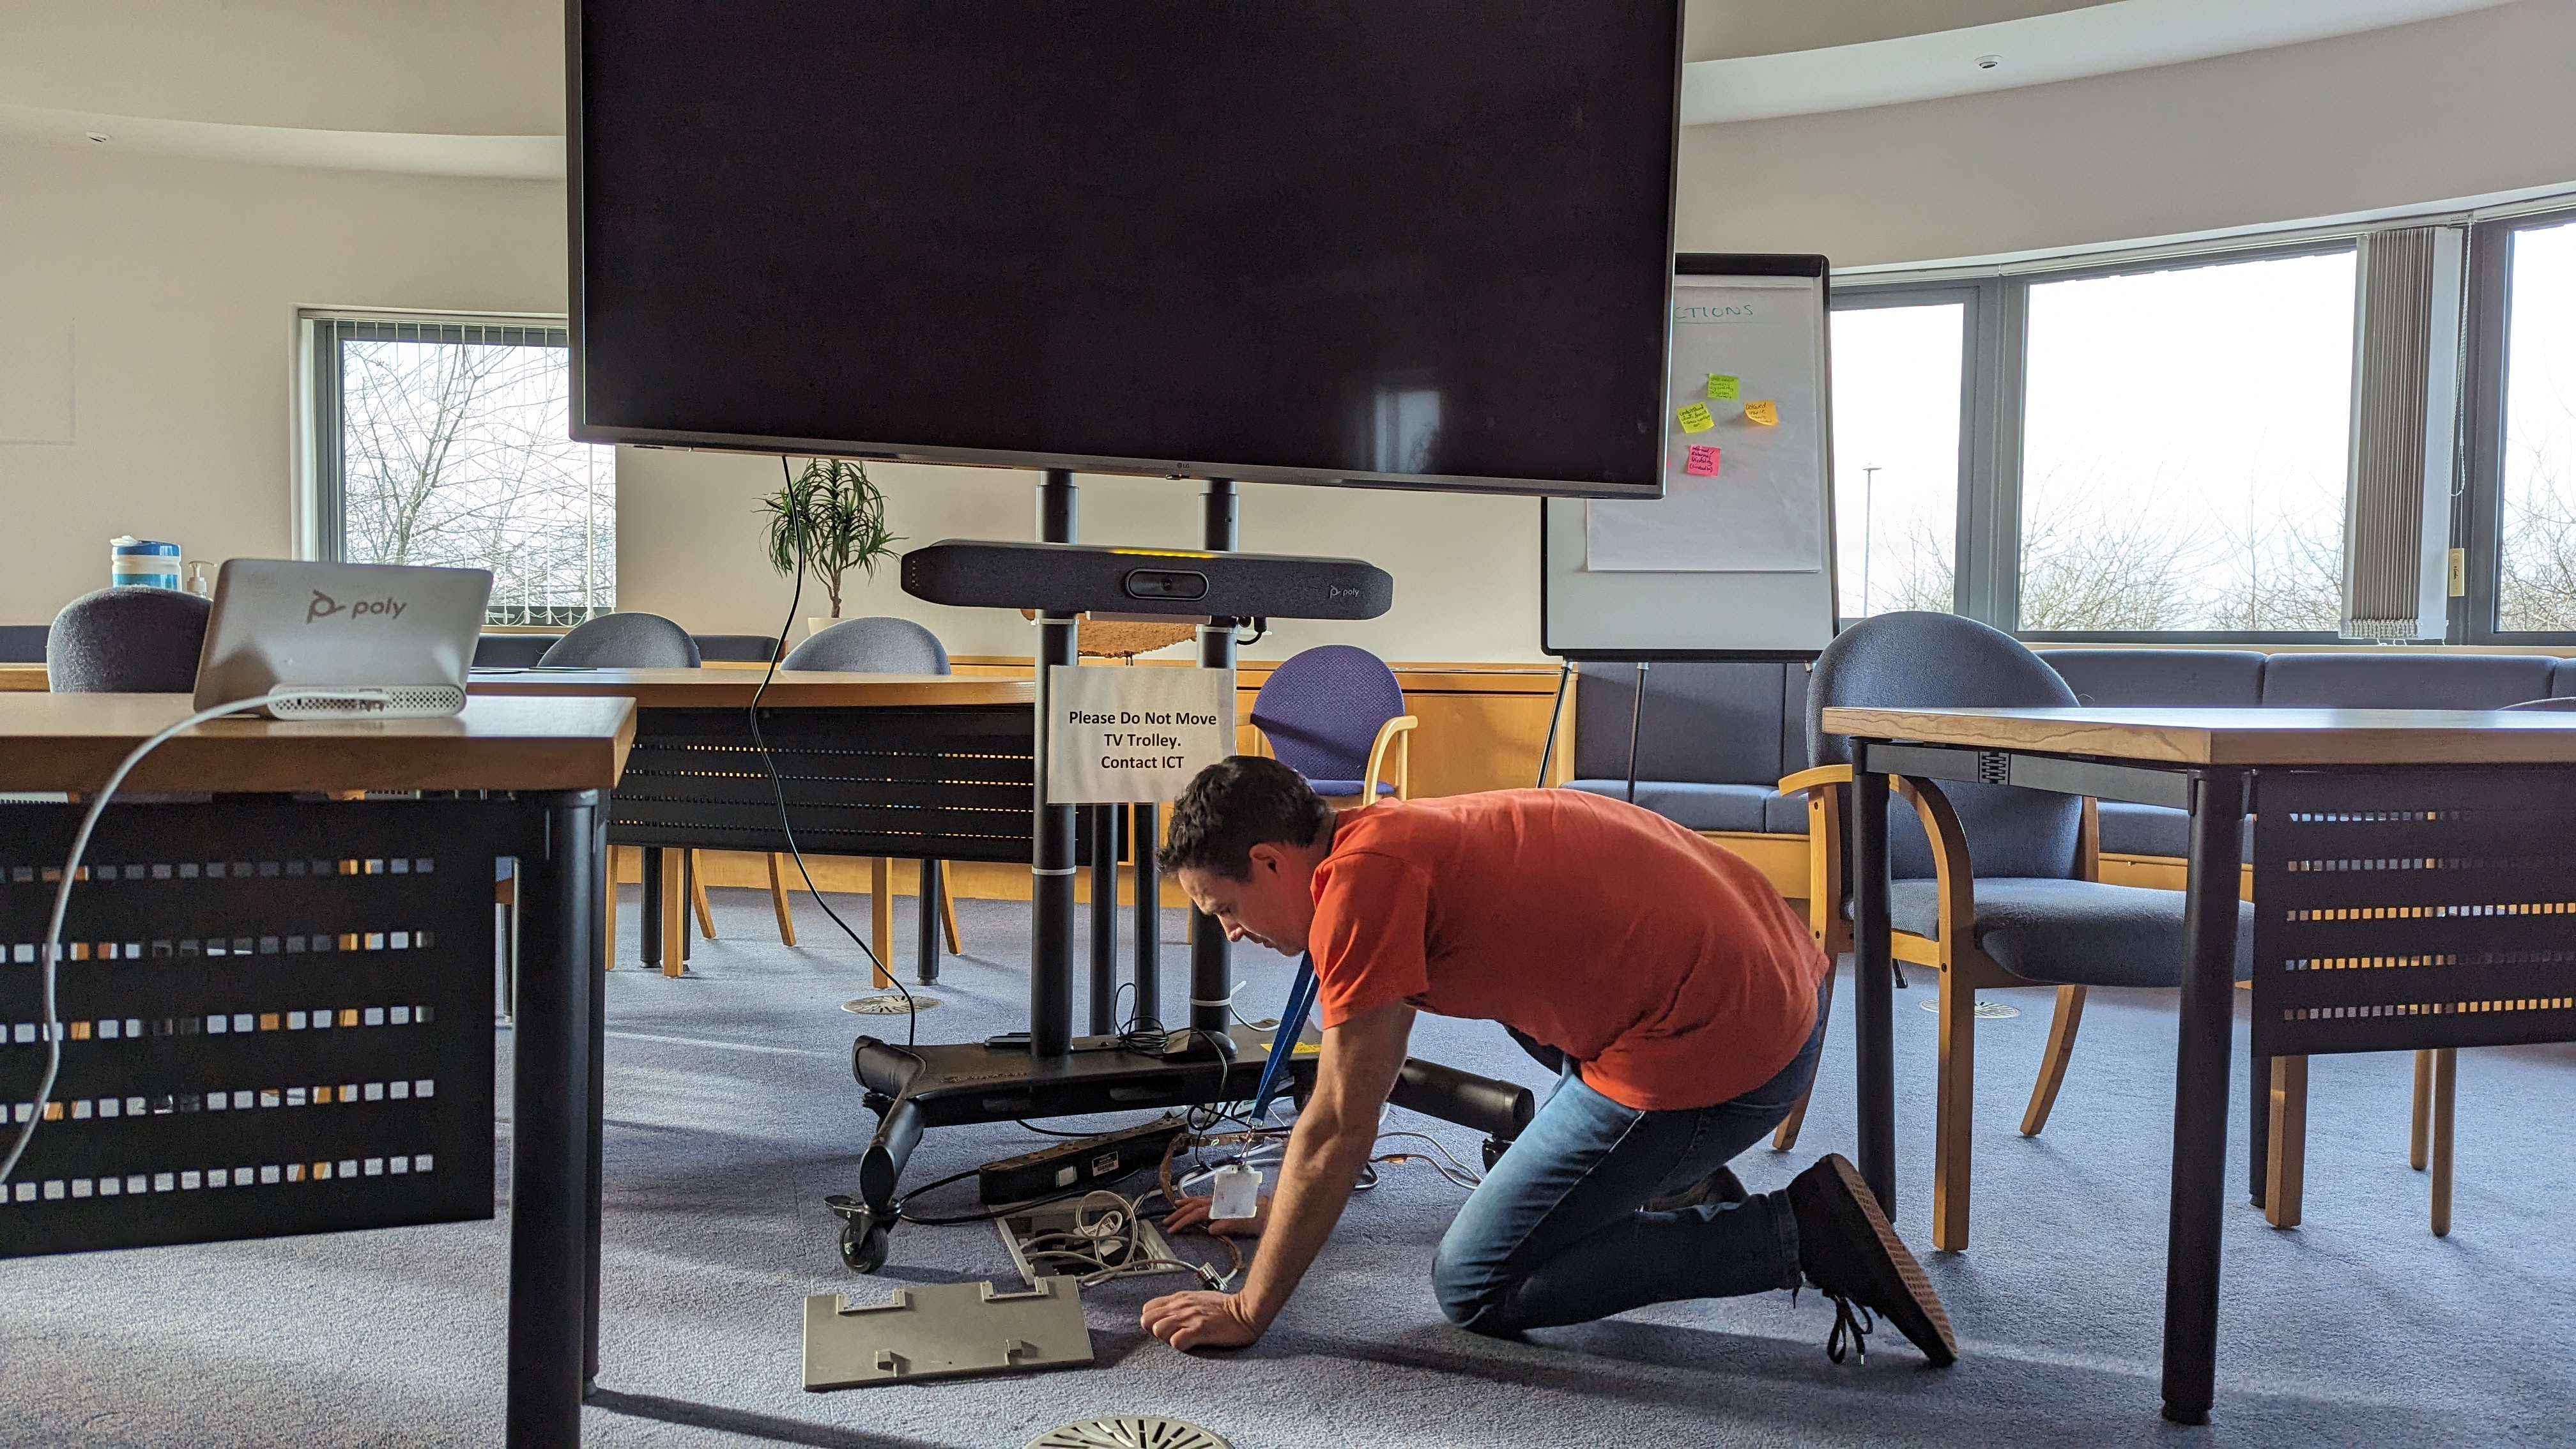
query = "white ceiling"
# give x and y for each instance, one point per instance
(1728, 29)
(474, 87)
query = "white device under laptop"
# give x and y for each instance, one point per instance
(386, 641)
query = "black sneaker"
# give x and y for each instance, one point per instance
(1720, 1186)
(1847, 1249)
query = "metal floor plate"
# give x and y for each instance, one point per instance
(943, 1330)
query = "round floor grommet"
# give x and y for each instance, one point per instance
(1130, 1431)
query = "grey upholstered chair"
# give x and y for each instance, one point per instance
(130, 640)
(1993, 886)
(875, 644)
(623, 641)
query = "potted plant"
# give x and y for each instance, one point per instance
(833, 517)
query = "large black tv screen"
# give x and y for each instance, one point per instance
(1402, 243)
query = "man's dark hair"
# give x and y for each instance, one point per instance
(1235, 804)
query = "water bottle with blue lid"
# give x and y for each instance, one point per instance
(142, 562)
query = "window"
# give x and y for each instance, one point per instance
(438, 441)
(2184, 445)
(1898, 366)
(2536, 556)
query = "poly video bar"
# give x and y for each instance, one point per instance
(1073, 578)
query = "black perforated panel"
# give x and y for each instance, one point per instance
(277, 1018)
(2416, 908)
(947, 783)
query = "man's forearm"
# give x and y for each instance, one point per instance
(1325, 1154)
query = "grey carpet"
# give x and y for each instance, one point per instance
(731, 1114)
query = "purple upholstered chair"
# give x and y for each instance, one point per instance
(1334, 714)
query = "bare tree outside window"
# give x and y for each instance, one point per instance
(1897, 375)
(2536, 587)
(2185, 442)
(455, 453)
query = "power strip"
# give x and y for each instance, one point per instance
(1083, 1162)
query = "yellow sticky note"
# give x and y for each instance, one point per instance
(1723, 387)
(1697, 418)
(1763, 411)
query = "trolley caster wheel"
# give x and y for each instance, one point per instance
(863, 1243)
(863, 1238)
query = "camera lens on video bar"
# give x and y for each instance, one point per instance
(1166, 584)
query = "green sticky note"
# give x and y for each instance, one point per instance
(1696, 418)
(1723, 387)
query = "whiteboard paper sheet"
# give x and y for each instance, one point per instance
(1762, 513)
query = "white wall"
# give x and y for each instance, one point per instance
(2462, 106)
(184, 278)
(181, 280)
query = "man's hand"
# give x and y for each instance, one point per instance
(1200, 1320)
(1192, 1212)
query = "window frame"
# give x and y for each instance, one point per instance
(321, 522)
(2477, 514)
(1975, 439)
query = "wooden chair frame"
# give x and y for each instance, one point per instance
(1394, 740)
(1964, 970)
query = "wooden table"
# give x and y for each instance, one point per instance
(885, 766)
(353, 940)
(2385, 842)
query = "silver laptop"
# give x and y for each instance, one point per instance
(400, 637)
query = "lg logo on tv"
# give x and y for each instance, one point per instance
(324, 607)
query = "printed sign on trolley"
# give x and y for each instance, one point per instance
(1124, 733)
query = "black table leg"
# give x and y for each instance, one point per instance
(597, 1113)
(2200, 1097)
(550, 1134)
(1873, 982)
(926, 955)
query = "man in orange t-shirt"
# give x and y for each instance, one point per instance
(1686, 998)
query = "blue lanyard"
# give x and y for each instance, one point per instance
(1283, 1042)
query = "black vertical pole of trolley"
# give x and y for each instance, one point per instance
(1210, 961)
(1051, 866)
(1149, 918)
(1103, 834)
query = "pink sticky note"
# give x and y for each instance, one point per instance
(1702, 461)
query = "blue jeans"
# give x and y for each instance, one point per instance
(1558, 1232)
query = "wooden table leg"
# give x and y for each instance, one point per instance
(2286, 1160)
(881, 915)
(675, 912)
(2417, 1123)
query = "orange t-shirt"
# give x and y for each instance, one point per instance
(1668, 967)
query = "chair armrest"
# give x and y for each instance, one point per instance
(1953, 874)
(1819, 775)
(1395, 732)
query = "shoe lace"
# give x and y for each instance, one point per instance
(1852, 1326)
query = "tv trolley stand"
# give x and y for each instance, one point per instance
(1053, 1073)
